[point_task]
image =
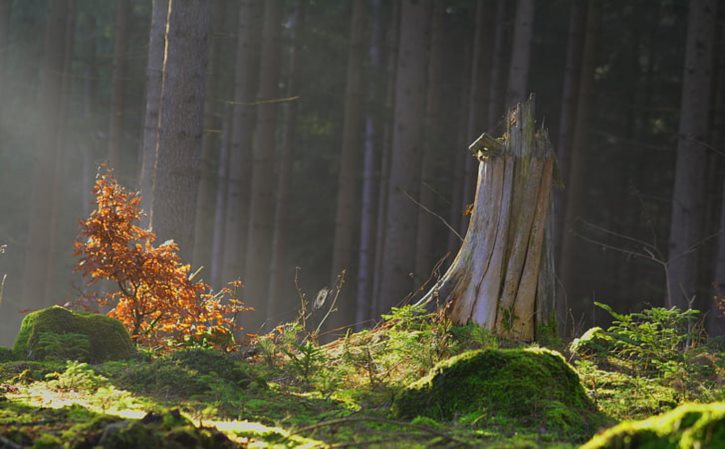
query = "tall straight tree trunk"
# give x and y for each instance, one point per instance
(348, 201)
(494, 279)
(479, 102)
(402, 215)
(49, 103)
(218, 248)
(259, 238)
(518, 81)
(181, 123)
(211, 139)
(5, 12)
(246, 78)
(433, 143)
(154, 77)
(88, 113)
(366, 267)
(280, 279)
(391, 43)
(568, 116)
(575, 176)
(687, 197)
(119, 73)
(497, 86)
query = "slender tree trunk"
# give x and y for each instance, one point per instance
(518, 83)
(181, 123)
(687, 197)
(402, 215)
(365, 270)
(494, 279)
(211, 139)
(497, 85)
(5, 12)
(568, 116)
(239, 180)
(221, 209)
(281, 276)
(49, 103)
(119, 73)
(259, 239)
(575, 178)
(154, 77)
(433, 142)
(348, 200)
(88, 113)
(392, 38)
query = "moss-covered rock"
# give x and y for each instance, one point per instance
(6, 354)
(532, 386)
(690, 426)
(56, 333)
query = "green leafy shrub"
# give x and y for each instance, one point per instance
(78, 376)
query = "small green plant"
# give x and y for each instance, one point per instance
(78, 376)
(306, 359)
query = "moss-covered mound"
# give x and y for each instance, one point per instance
(57, 333)
(6, 354)
(690, 426)
(532, 386)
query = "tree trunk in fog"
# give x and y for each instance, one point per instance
(119, 73)
(154, 75)
(41, 201)
(402, 215)
(211, 139)
(88, 114)
(281, 276)
(5, 12)
(497, 86)
(218, 248)
(479, 102)
(181, 124)
(348, 201)
(575, 175)
(494, 279)
(261, 220)
(363, 297)
(518, 80)
(433, 142)
(568, 116)
(687, 197)
(391, 44)
(239, 180)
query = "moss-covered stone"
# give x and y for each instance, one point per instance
(55, 333)
(690, 426)
(531, 386)
(6, 354)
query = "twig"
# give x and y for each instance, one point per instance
(443, 220)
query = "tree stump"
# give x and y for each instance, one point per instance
(494, 279)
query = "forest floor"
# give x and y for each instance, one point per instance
(290, 392)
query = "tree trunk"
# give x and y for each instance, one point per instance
(494, 279)
(119, 73)
(259, 239)
(402, 215)
(433, 142)
(497, 86)
(365, 270)
(181, 123)
(211, 139)
(347, 182)
(687, 197)
(221, 209)
(281, 275)
(518, 82)
(239, 181)
(49, 105)
(154, 75)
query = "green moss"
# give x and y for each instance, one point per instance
(690, 426)
(6, 354)
(43, 333)
(593, 341)
(531, 386)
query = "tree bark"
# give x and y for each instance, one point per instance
(687, 197)
(348, 201)
(154, 76)
(49, 103)
(494, 279)
(402, 213)
(246, 79)
(281, 276)
(259, 238)
(119, 73)
(518, 80)
(221, 209)
(181, 123)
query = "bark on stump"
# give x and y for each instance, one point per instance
(494, 279)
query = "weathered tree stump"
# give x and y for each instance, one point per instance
(494, 279)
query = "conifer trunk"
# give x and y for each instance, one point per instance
(118, 83)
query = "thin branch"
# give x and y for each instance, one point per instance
(443, 220)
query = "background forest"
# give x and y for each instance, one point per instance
(331, 135)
